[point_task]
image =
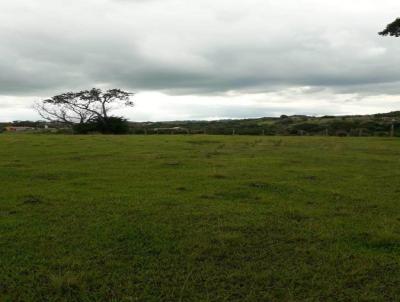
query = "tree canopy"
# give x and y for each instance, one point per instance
(393, 29)
(84, 106)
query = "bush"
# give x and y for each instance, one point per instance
(111, 125)
(311, 128)
(85, 128)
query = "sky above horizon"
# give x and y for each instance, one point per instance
(206, 59)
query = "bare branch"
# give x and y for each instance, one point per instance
(83, 106)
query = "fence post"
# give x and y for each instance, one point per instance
(392, 129)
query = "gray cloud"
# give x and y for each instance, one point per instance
(197, 47)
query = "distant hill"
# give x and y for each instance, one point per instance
(349, 125)
(382, 124)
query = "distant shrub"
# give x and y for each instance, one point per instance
(342, 133)
(85, 128)
(285, 120)
(114, 125)
(63, 131)
(307, 127)
(111, 125)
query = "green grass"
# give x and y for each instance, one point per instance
(199, 218)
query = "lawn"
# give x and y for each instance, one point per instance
(199, 218)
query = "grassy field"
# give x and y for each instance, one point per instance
(199, 218)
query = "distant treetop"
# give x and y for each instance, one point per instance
(393, 29)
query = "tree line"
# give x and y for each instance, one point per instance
(386, 124)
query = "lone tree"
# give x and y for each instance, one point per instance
(83, 107)
(393, 29)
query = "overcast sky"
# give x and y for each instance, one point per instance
(202, 59)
